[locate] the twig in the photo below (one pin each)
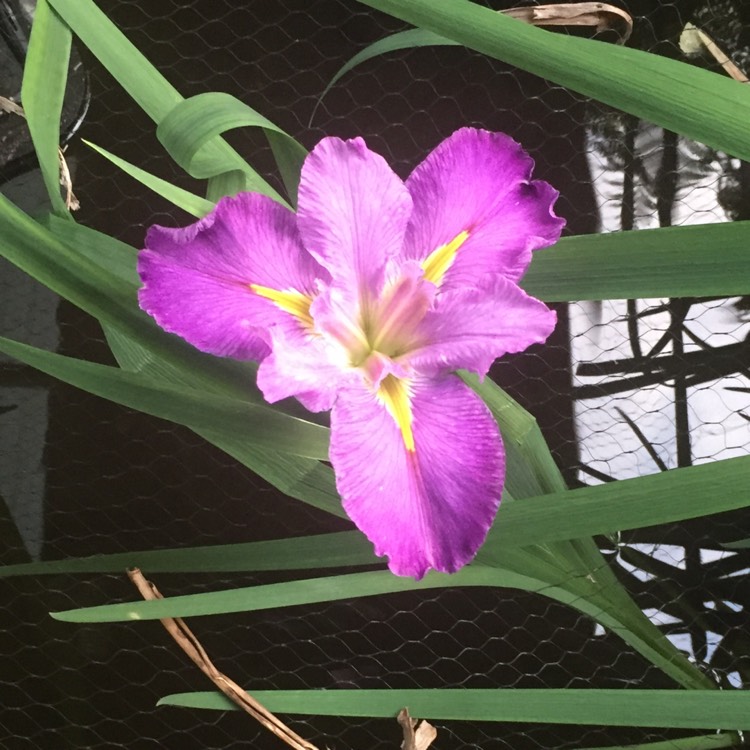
(185, 639)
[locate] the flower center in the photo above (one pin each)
(392, 320)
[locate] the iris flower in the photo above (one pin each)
(366, 302)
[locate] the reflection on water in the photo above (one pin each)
(661, 383)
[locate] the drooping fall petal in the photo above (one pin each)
(429, 507)
(212, 282)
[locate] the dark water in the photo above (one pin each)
(115, 480)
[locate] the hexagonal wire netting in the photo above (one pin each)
(621, 389)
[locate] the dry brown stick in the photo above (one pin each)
(601, 15)
(185, 639)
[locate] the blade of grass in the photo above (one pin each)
(188, 202)
(197, 121)
(673, 495)
(697, 261)
(150, 90)
(696, 103)
(584, 511)
(299, 553)
(42, 92)
(694, 709)
(253, 423)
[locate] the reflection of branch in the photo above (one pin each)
(697, 367)
(185, 639)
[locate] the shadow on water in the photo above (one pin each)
(110, 480)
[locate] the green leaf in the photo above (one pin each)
(530, 467)
(192, 204)
(289, 156)
(294, 593)
(701, 105)
(253, 423)
(301, 478)
(698, 261)
(591, 510)
(667, 497)
(299, 553)
(410, 39)
(150, 90)
(196, 121)
(687, 709)
(739, 544)
(42, 92)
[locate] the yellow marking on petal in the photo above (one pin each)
(393, 393)
(439, 261)
(291, 301)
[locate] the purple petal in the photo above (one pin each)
(427, 508)
(352, 212)
(471, 328)
(477, 182)
(310, 367)
(197, 279)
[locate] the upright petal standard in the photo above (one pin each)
(365, 302)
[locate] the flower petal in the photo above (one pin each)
(426, 508)
(198, 281)
(476, 211)
(352, 212)
(310, 367)
(471, 328)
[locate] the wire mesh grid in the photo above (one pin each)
(108, 479)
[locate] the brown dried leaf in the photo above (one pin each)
(417, 735)
(602, 16)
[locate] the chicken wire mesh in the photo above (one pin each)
(622, 388)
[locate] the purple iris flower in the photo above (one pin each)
(365, 302)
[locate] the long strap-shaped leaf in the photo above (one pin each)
(694, 709)
(698, 261)
(42, 92)
(707, 107)
(187, 201)
(151, 91)
(254, 423)
(673, 496)
(195, 122)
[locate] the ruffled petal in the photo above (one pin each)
(198, 281)
(471, 328)
(429, 507)
(352, 213)
(306, 365)
(476, 210)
